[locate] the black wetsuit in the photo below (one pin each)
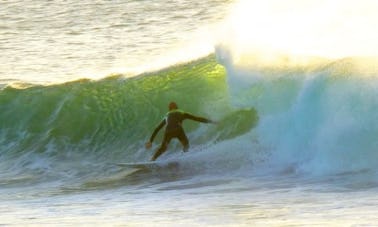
(173, 129)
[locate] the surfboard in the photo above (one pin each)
(149, 165)
(138, 164)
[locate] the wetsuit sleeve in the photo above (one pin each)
(157, 129)
(195, 118)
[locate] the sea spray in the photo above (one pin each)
(317, 118)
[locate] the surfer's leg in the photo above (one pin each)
(162, 148)
(183, 140)
(160, 151)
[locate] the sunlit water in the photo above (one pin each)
(56, 41)
(202, 201)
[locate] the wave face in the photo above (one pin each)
(313, 119)
(78, 128)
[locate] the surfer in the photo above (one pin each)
(173, 120)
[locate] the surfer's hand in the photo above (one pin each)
(214, 122)
(148, 145)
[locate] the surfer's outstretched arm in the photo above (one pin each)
(196, 118)
(157, 129)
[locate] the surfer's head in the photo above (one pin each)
(172, 106)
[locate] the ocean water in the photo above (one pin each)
(83, 85)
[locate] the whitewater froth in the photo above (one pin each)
(316, 118)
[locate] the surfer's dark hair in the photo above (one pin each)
(172, 106)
